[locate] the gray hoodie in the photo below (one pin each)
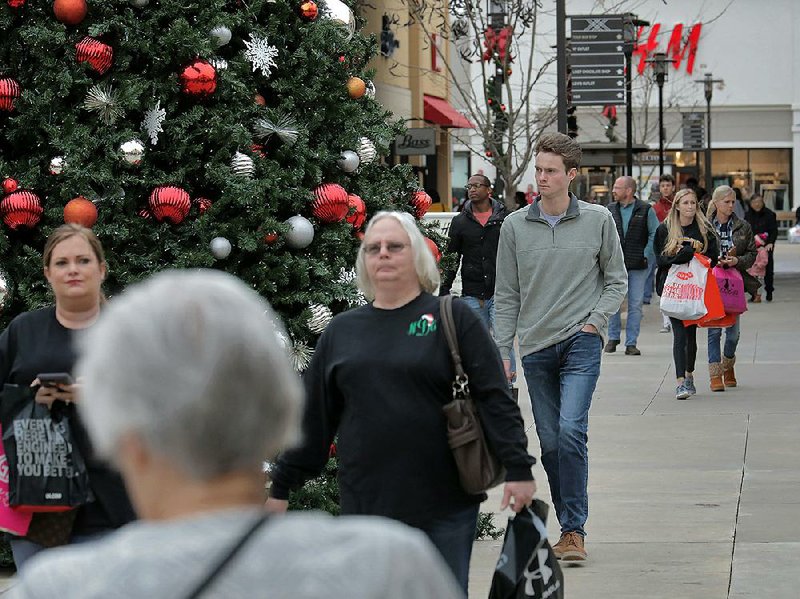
(551, 281)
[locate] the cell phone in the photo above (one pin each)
(52, 379)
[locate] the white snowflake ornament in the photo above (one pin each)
(261, 54)
(152, 122)
(320, 318)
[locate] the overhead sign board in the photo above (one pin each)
(694, 130)
(416, 141)
(597, 59)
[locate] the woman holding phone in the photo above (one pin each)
(40, 342)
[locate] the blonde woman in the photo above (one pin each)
(684, 232)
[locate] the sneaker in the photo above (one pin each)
(666, 329)
(570, 548)
(682, 391)
(611, 346)
(688, 383)
(632, 350)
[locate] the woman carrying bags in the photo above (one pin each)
(684, 231)
(737, 249)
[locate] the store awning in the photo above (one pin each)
(441, 112)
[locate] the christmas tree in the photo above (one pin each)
(236, 134)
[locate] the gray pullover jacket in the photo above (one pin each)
(551, 281)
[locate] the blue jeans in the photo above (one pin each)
(487, 312)
(650, 282)
(636, 282)
(731, 341)
(453, 535)
(561, 379)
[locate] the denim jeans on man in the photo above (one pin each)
(636, 283)
(486, 312)
(731, 341)
(453, 535)
(561, 379)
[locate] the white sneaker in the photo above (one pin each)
(666, 329)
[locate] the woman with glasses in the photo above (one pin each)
(379, 378)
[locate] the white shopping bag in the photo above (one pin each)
(684, 289)
(794, 234)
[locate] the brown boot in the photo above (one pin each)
(715, 372)
(728, 375)
(570, 548)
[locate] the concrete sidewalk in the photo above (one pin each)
(691, 499)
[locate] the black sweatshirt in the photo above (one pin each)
(685, 254)
(34, 343)
(379, 378)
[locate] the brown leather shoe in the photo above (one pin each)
(715, 373)
(570, 548)
(728, 375)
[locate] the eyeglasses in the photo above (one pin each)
(393, 247)
(469, 186)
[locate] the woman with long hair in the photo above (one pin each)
(684, 231)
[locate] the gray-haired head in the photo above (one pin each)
(191, 363)
(424, 263)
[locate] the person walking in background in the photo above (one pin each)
(474, 235)
(684, 232)
(636, 224)
(379, 378)
(737, 249)
(666, 187)
(763, 220)
(560, 277)
(530, 195)
(188, 389)
(42, 341)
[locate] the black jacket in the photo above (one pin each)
(634, 242)
(763, 221)
(476, 247)
(685, 254)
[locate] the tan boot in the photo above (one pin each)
(715, 372)
(727, 371)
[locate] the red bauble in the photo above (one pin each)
(16, 3)
(10, 185)
(169, 203)
(203, 204)
(309, 10)
(357, 211)
(270, 238)
(80, 211)
(421, 202)
(96, 53)
(260, 100)
(9, 91)
(70, 12)
(199, 78)
(437, 254)
(21, 209)
(330, 204)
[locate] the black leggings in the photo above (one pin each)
(684, 347)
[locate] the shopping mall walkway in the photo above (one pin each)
(698, 498)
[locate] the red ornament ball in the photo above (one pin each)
(21, 209)
(9, 92)
(437, 254)
(270, 238)
(331, 203)
(260, 100)
(199, 78)
(70, 12)
(203, 204)
(169, 203)
(16, 3)
(80, 211)
(421, 202)
(309, 10)
(357, 211)
(10, 185)
(98, 55)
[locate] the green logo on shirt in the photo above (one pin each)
(422, 327)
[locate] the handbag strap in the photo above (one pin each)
(460, 388)
(226, 558)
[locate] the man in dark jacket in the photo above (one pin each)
(636, 225)
(474, 235)
(763, 220)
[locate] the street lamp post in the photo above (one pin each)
(660, 64)
(708, 82)
(630, 23)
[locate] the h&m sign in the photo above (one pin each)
(416, 141)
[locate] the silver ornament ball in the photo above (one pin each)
(221, 248)
(301, 232)
(243, 165)
(222, 35)
(220, 64)
(132, 151)
(348, 161)
(57, 165)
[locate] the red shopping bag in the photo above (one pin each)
(713, 301)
